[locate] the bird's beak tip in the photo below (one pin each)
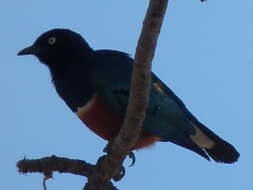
(31, 50)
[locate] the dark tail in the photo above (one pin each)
(222, 151)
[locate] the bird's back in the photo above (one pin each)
(167, 116)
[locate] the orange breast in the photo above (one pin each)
(105, 123)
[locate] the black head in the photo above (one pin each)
(58, 46)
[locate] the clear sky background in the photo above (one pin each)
(204, 54)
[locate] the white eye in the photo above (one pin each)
(51, 40)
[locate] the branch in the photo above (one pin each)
(48, 165)
(139, 97)
(141, 78)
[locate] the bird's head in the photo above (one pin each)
(58, 46)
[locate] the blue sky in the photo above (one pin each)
(204, 54)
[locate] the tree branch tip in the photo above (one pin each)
(45, 178)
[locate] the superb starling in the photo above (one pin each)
(95, 86)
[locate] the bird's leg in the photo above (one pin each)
(109, 144)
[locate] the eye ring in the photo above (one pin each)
(51, 40)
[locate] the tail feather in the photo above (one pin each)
(222, 151)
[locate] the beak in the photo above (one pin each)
(31, 50)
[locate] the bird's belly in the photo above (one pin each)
(101, 120)
(105, 123)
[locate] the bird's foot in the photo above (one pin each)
(121, 170)
(131, 155)
(119, 174)
(104, 163)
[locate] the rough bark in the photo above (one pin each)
(48, 165)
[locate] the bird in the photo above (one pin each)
(95, 85)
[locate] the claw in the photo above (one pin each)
(132, 157)
(120, 174)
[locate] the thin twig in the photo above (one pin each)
(44, 183)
